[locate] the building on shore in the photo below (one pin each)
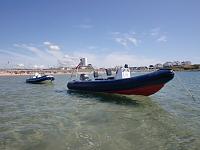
(168, 64)
(186, 63)
(83, 62)
(176, 63)
(151, 67)
(158, 66)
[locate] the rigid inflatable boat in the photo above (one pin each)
(122, 83)
(38, 78)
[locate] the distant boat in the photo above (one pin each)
(122, 83)
(38, 78)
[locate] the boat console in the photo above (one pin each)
(123, 72)
(84, 77)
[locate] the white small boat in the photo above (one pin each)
(38, 78)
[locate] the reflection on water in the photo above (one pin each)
(50, 117)
(105, 97)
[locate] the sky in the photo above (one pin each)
(48, 33)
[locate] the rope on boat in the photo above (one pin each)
(76, 68)
(186, 89)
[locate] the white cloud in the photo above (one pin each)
(47, 58)
(62, 58)
(15, 54)
(50, 55)
(31, 48)
(122, 41)
(162, 38)
(68, 61)
(51, 46)
(53, 50)
(133, 32)
(158, 35)
(133, 40)
(155, 31)
(125, 39)
(54, 47)
(116, 59)
(46, 43)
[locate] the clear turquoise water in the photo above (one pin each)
(48, 117)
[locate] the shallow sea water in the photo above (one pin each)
(49, 117)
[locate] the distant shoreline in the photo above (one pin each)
(24, 74)
(13, 73)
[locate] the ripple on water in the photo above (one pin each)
(50, 117)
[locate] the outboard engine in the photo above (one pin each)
(84, 77)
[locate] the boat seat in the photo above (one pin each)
(110, 78)
(96, 74)
(108, 72)
(84, 77)
(99, 79)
